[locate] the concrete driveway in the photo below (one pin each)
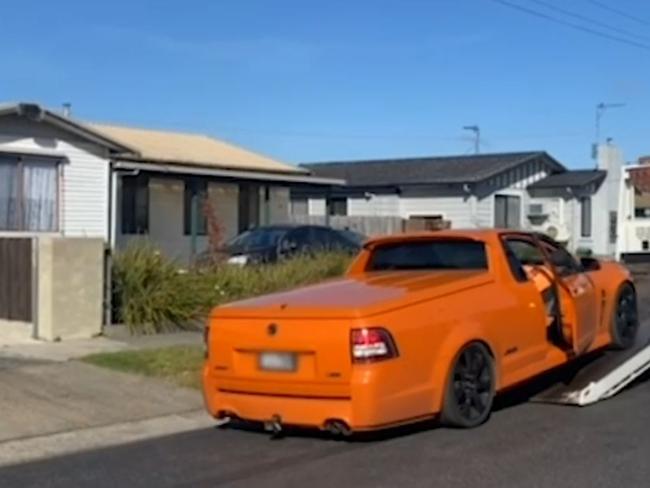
(43, 397)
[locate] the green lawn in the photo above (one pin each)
(178, 364)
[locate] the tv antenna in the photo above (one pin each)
(477, 136)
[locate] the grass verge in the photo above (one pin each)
(180, 365)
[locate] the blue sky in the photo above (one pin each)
(306, 80)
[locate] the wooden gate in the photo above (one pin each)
(16, 279)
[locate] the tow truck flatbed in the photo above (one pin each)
(600, 376)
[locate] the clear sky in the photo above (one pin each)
(307, 80)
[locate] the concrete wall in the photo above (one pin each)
(70, 287)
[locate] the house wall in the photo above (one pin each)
(477, 209)
(83, 175)
(514, 183)
(375, 205)
(279, 204)
(464, 209)
(453, 208)
(166, 226)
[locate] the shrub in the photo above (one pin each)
(155, 295)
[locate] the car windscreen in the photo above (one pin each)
(256, 239)
(429, 254)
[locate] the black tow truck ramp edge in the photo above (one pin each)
(600, 376)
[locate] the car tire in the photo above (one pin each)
(625, 318)
(470, 388)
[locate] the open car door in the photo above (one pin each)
(577, 295)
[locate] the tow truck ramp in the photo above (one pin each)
(602, 377)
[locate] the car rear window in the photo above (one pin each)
(433, 254)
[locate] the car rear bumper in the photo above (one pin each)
(368, 406)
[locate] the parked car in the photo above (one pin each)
(270, 243)
(423, 325)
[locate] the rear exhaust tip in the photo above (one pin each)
(224, 417)
(338, 427)
(274, 426)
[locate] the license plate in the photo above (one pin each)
(277, 361)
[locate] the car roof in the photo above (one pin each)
(472, 234)
(292, 226)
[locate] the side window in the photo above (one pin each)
(563, 261)
(300, 239)
(519, 253)
(526, 252)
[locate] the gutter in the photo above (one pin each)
(223, 173)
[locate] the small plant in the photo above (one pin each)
(214, 254)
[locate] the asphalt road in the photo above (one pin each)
(523, 444)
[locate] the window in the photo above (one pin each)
(507, 211)
(28, 194)
(135, 204)
(562, 260)
(255, 239)
(585, 216)
(337, 206)
(430, 254)
(249, 206)
(299, 206)
(526, 252)
(195, 189)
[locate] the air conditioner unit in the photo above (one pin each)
(558, 232)
(536, 210)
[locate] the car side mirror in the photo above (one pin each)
(590, 264)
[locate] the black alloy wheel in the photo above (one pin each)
(626, 318)
(470, 390)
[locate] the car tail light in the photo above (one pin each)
(372, 344)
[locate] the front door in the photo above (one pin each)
(578, 297)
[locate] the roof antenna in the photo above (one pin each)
(600, 111)
(477, 137)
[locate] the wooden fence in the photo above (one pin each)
(367, 226)
(16, 279)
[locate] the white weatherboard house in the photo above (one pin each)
(524, 190)
(64, 177)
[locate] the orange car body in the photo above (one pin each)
(429, 314)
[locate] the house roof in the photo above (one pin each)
(37, 113)
(428, 170)
(573, 178)
(158, 146)
(191, 149)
